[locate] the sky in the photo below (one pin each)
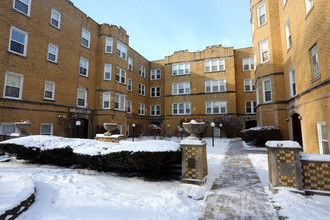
(157, 28)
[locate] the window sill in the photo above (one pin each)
(216, 71)
(250, 91)
(53, 62)
(107, 80)
(142, 95)
(155, 97)
(121, 83)
(83, 75)
(154, 79)
(307, 14)
(13, 98)
(181, 75)
(265, 62)
(108, 53)
(86, 47)
(27, 15)
(260, 26)
(287, 51)
(18, 54)
(121, 57)
(52, 100)
(58, 28)
(316, 78)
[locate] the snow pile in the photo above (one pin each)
(262, 128)
(316, 157)
(283, 144)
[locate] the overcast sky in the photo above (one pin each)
(157, 28)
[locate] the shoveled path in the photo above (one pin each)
(238, 193)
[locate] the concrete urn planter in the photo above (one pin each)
(22, 126)
(193, 128)
(109, 127)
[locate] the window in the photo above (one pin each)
(52, 53)
(249, 85)
(261, 14)
(288, 34)
(181, 88)
(55, 19)
(49, 90)
(142, 71)
(120, 75)
(248, 64)
(107, 71)
(309, 5)
(13, 86)
(18, 41)
(120, 128)
(183, 108)
(82, 97)
(315, 61)
(257, 93)
(155, 74)
(7, 128)
(255, 57)
(250, 107)
(121, 50)
(23, 6)
(214, 65)
(181, 69)
(292, 82)
(106, 100)
(130, 63)
(264, 56)
(85, 38)
(83, 69)
(216, 107)
(155, 110)
(266, 86)
(141, 109)
(155, 91)
(108, 45)
(129, 106)
(215, 85)
(120, 102)
(46, 129)
(323, 137)
(142, 89)
(129, 84)
(284, 2)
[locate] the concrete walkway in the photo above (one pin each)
(238, 193)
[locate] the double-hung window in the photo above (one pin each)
(120, 102)
(255, 57)
(120, 75)
(155, 91)
(107, 71)
(250, 107)
(7, 128)
(106, 100)
(183, 108)
(248, 64)
(23, 6)
(315, 61)
(18, 41)
(264, 53)
(292, 82)
(180, 69)
(52, 53)
(130, 63)
(121, 50)
(85, 38)
(108, 45)
(55, 19)
(155, 74)
(288, 35)
(142, 71)
(249, 85)
(83, 67)
(267, 90)
(155, 110)
(215, 65)
(181, 88)
(49, 90)
(13, 86)
(216, 107)
(261, 10)
(82, 98)
(142, 89)
(323, 137)
(129, 106)
(46, 129)
(309, 5)
(129, 84)
(141, 109)
(215, 85)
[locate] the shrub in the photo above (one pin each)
(154, 130)
(258, 136)
(230, 124)
(138, 130)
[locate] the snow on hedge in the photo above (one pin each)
(262, 128)
(92, 147)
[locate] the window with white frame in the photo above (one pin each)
(284, 2)
(264, 54)
(292, 82)
(55, 19)
(130, 63)
(7, 128)
(120, 75)
(18, 41)
(46, 129)
(181, 88)
(323, 137)
(252, 24)
(83, 67)
(141, 109)
(155, 74)
(142, 89)
(129, 106)
(248, 64)
(267, 90)
(85, 38)
(127, 130)
(215, 85)
(120, 128)
(108, 45)
(216, 107)
(52, 53)
(155, 110)
(309, 5)
(183, 108)
(180, 69)
(215, 65)
(13, 86)
(129, 84)
(106, 100)
(288, 34)
(315, 61)
(250, 107)
(82, 97)
(49, 90)
(155, 91)
(107, 71)
(255, 57)
(120, 102)
(23, 6)
(261, 11)
(142, 71)
(121, 50)
(257, 93)
(249, 85)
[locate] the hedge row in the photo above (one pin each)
(258, 136)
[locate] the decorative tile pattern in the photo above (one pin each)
(270, 167)
(285, 157)
(316, 175)
(191, 153)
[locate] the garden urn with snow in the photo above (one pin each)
(194, 129)
(22, 126)
(110, 127)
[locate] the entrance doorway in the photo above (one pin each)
(80, 128)
(296, 128)
(250, 124)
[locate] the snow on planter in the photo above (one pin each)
(283, 144)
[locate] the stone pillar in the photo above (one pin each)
(284, 164)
